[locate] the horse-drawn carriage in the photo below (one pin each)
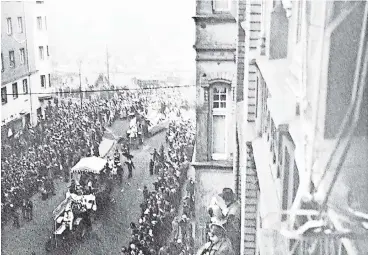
(88, 194)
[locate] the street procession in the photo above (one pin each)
(184, 127)
(77, 149)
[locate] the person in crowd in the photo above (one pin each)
(219, 244)
(151, 166)
(24, 209)
(120, 172)
(130, 166)
(233, 217)
(68, 217)
(159, 207)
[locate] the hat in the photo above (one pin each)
(227, 194)
(217, 230)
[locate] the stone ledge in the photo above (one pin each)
(216, 165)
(221, 17)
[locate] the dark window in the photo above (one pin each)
(22, 55)
(39, 23)
(25, 86)
(9, 26)
(4, 96)
(47, 50)
(15, 90)
(11, 58)
(40, 49)
(20, 25)
(49, 80)
(43, 81)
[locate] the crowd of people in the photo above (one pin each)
(157, 229)
(65, 132)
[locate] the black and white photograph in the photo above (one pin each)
(184, 127)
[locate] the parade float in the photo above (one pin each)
(89, 193)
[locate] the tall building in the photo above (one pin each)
(215, 46)
(300, 77)
(25, 62)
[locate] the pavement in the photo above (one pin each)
(109, 233)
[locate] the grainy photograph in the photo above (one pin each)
(184, 127)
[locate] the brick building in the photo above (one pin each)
(292, 85)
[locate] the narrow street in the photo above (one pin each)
(109, 233)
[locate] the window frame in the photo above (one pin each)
(4, 95)
(220, 112)
(15, 90)
(9, 26)
(20, 25)
(22, 55)
(43, 80)
(220, 101)
(25, 86)
(39, 22)
(41, 52)
(12, 63)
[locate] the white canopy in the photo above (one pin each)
(89, 164)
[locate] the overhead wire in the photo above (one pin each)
(70, 91)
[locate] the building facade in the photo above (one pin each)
(25, 59)
(304, 87)
(215, 46)
(298, 72)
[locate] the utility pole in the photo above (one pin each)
(107, 65)
(80, 84)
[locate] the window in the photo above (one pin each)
(49, 80)
(20, 25)
(45, 23)
(11, 58)
(22, 55)
(43, 81)
(25, 86)
(4, 96)
(47, 51)
(221, 5)
(39, 2)
(15, 90)
(299, 23)
(40, 49)
(2, 62)
(9, 26)
(219, 98)
(39, 23)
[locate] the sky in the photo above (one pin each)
(143, 37)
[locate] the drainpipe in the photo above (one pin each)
(28, 68)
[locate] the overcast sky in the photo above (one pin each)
(143, 36)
